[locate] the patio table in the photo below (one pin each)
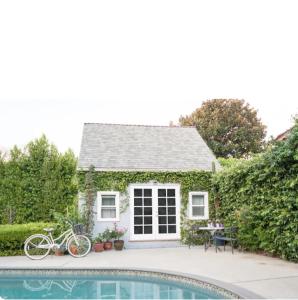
(212, 231)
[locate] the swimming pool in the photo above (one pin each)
(104, 284)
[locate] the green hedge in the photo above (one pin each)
(261, 197)
(12, 237)
(34, 181)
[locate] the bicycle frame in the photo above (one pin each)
(66, 285)
(66, 234)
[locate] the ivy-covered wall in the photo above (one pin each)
(189, 181)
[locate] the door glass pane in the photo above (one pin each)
(198, 211)
(147, 220)
(162, 211)
(171, 202)
(138, 192)
(171, 210)
(172, 228)
(162, 201)
(138, 220)
(162, 220)
(147, 201)
(197, 200)
(162, 229)
(147, 193)
(172, 220)
(147, 211)
(108, 200)
(108, 213)
(147, 229)
(138, 211)
(162, 192)
(171, 193)
(138, 201)
(138, 229)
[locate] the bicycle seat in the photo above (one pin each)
(48, 229)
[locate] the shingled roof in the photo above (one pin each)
(115, 147)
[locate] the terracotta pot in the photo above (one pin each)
(73, 249)
(108, 245)
(118, 244)
(59, 252)
(98, 247)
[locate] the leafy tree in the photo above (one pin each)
(230, 162)
(35, 181)
(230, 127)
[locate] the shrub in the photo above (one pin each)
(34, 181)
(260, 196)
(12, 237)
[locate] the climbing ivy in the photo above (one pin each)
(90, 196)
(260, 196)
(189, 181)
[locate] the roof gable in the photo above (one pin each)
(144, 148)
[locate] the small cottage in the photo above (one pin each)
(150, 179)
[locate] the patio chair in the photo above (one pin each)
(196, 234)
(229, 235)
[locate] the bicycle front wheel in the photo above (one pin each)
(78, 246)
(37, 246)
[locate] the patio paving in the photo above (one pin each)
(264, 276)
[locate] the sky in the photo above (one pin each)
(63, 63)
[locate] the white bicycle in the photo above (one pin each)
(38, 246)
(40, 285)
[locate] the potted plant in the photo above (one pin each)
(117, 234)
(73, 249)
(98, 243)
(60, 251)
(107, 237)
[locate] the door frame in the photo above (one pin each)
(154, 236)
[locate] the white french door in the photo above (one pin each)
(154, 212)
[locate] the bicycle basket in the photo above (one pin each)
(78, 229)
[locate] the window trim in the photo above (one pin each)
(99, 206)
(206, 206)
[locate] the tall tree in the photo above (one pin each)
(35, 181)
(230, 127)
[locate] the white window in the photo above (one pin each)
(198, 206)
(108, 206)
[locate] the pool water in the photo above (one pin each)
(99, 287)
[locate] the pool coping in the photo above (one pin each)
(222, 287)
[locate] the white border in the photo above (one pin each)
(206, 206)
(99, 206)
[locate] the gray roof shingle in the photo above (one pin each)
(111, 147)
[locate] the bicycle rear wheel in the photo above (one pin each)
(37, 246)
(78, 246)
